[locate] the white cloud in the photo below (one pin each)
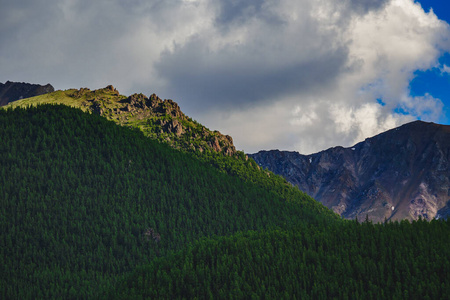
(385, 47)
(393, 43)
(298, 75)
(379, 52)
(445, 69)
(425, 107)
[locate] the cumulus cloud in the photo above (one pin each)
(364, 92)
(297, 75)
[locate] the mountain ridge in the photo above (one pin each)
(12, 91)
(163, 121)
(159, 119)
(402, 173)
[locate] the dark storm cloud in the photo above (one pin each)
(277, 56)
(235, 78)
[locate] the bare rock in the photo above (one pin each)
(214, 143)
(138, 101)
(154, 101)
(173, 126)
(403, 173)
(12, 91)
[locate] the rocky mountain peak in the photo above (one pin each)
(403, 173)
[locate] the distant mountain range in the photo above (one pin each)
(12, 91)
(403, 173)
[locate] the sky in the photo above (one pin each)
(294, 75)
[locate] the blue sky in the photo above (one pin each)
(296, 75)
(435, 81)
(440, 8)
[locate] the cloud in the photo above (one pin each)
(298, 75)
(238, 76)
(445, 69)
(73, 43)
(355, 58)
(422, 107)
(257, 51)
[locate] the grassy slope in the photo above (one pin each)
(57, 97)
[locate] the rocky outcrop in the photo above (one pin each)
(12, 91)
(168, 120)
(158, 119)
(403, 173)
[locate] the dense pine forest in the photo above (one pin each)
(345, 261)
(84, 201)
(90, 209)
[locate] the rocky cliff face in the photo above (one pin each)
(12, 91)
(403, 173)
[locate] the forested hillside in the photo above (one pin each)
(82, 201)
(160, 120)
(344, 261)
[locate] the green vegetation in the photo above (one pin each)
(163, 121)
(89, 209)
(158, 119)
(58, 97)
(83, 201)
(345, 261)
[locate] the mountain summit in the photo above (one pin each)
(12, 91)
(402, 173)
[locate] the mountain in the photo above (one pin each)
(403, 173)
(12, 91)
(158, 119)
(84, 201)
(93, 210)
